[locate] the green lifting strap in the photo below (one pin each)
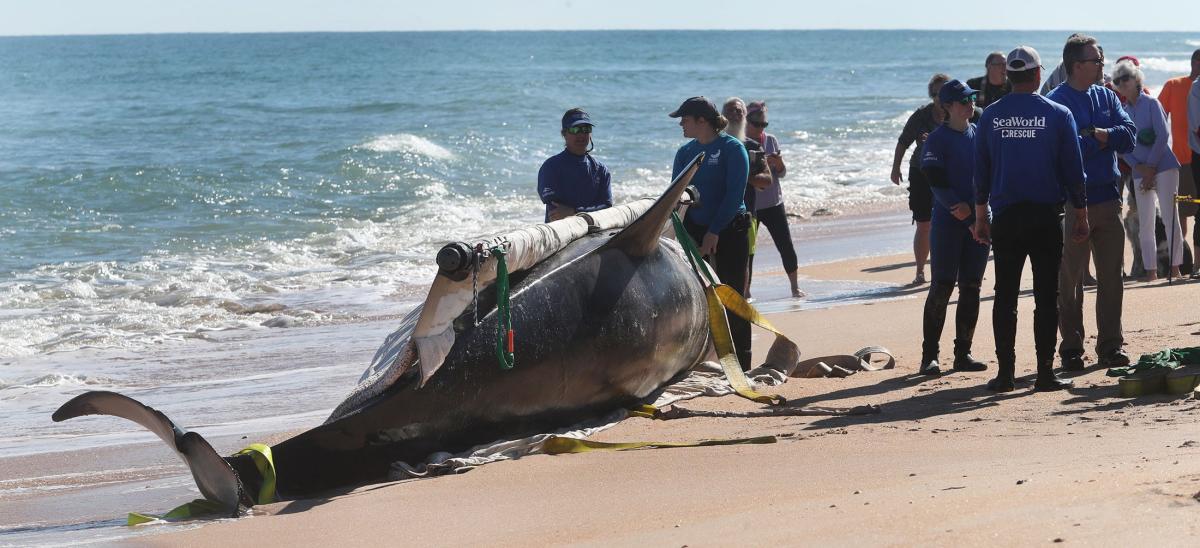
(504, 331)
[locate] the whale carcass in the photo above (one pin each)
(600, 325)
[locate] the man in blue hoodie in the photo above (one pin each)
(1104, 131)
(1027, 161)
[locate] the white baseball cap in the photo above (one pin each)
(1022, 59)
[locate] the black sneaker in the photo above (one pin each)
(1073, 362)
(1117, 358)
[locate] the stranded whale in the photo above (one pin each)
(599, 325)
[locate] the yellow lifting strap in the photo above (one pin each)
(719, 298)
(558, 445)
(196, 509)
(261, 455)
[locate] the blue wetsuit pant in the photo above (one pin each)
(955, 257)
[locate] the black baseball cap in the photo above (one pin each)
(576, 117)
(697, 106)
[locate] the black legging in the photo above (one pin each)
(1034, 232)
(775, 219)
(733, 250)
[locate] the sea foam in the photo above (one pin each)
(408, 143)
(1181, 66)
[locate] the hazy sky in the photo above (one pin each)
(24, 17)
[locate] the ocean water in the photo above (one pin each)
(182, 216)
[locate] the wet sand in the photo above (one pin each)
(944, 463)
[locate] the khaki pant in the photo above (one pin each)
(1107, 242)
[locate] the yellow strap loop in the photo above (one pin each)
(719, 326)
(558, 445)
(261, 455)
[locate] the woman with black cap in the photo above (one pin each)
(720, 221)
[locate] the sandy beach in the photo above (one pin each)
(944, 463)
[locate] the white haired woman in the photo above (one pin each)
(1155, 169)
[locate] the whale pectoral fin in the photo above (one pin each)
(215, 478)
(640, 238)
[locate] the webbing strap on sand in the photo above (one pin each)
(558, 445)
(196, 509)
(718, 324)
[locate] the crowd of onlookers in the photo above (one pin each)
(1008, 164)
(1042, 174)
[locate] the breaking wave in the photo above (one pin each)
(1181, 66)
(408, 143)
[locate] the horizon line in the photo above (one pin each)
(813, 29)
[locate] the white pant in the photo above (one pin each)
(1166, 184)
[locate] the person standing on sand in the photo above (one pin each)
(1104, 131)
(720, 221)
(949, 163)
(1193, 132)
(1027, 158)
(1174, 99)
(920, 200)
(734, 110)
(572, 180)
(1155, 169)
(768, 202)
(994, 84)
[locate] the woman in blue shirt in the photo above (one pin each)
(948, 161)
(720, 221)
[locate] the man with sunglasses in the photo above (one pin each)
(1105, 130)
(573, 181)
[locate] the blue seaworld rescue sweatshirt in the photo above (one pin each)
(1099, 108)
(721, 180)
(1027, 150)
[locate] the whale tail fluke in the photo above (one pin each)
(214, 476)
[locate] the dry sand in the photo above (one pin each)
(945, 463)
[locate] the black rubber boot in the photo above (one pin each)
(964, 327)
(1004, 376)
(931, 325)
(963, 360)
(1047, 380)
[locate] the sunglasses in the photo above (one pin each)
(576, 130)
(758, 124)
(968, 99)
